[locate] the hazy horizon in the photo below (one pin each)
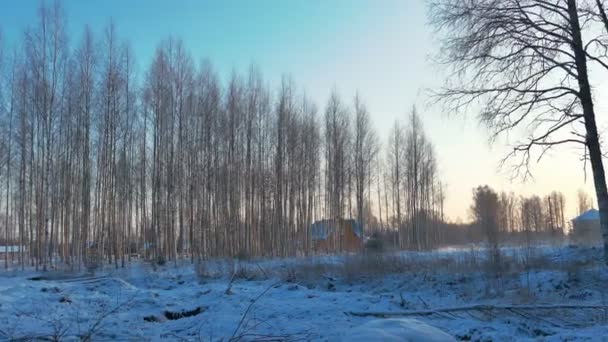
(381, 52)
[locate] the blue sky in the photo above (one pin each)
(379, 48)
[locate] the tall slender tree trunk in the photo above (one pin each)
(591, 140)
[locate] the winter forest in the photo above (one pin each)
(101, 163)
(136, 175)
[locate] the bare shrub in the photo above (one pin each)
(290, 275)
(374, 245)
(358, 266)
(539, 262)
(495, 263)
(160, 260)
(243, 272)
(201, 270)
(471, 259)
(306, 272)
(495, 269)
(525, 294)
(103, 313)
(242, 255)
(93, 261)
(217, 269)
(373, 264)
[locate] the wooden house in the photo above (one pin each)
(328, 236)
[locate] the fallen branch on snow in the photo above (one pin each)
(276, 338)
(477, 307)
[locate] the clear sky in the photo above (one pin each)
(379, 48)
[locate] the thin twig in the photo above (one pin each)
(238, 327)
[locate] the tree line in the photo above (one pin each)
(506, 218)
(508, 213)
(99, 162)
(503, 218)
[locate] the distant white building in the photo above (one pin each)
(586, 226)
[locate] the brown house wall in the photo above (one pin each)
(347, 242)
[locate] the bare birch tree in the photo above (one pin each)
(396, 165)
(583, 201)
(365, 149)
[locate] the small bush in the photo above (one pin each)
(242, 272)
(525, 294)
(306, 273)
(374, 245)
(227, 268)
(92, 261)
(242, 255)
(373, 264)
(200, 268)
(495, 263)
(160, 260)
(290, 275)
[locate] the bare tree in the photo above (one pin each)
(485, 213)
(526, 63)
(365, 149)
(337, 138)
(6, 137)
(46, 53)
(507, 212)
(583, 201)
(554, 204)
(86, 59)
(396, 161)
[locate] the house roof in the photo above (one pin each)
(589, 215)
(320, 230)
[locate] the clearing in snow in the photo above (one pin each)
(399, 296)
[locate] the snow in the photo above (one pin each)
(396, 330)
(314, 302)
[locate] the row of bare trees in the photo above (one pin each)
(99, 163)
(533, 213)
(584, 202)
(505, 216)
(416, 193)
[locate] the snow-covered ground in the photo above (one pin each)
(321, 298)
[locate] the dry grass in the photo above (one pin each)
(93, 261)
(234, 269)
(365, 265)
